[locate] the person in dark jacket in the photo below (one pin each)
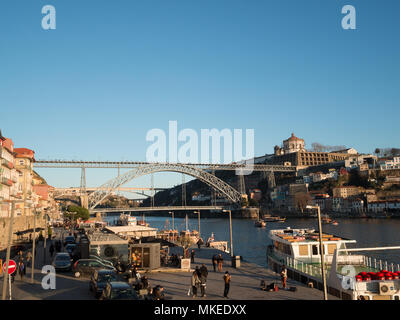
(21, 269)
(227, 283)
(214, 262)
(51, 250)
(192, 254)
(203, 279)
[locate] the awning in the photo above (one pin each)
(19, 233)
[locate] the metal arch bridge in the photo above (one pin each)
(168, 208)
(135, 164)
(110, 186)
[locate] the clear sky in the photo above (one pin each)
(112, 70)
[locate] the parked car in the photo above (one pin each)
(88, 266)
(106, 262)
(117, 290)
(62, 262)
(69, 240)
(99, 280)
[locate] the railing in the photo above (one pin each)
(308, 268)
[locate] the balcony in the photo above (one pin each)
(7, 164)
(6, 181)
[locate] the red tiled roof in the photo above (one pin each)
(25, 153)
(294, 138)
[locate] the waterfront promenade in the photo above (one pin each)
(244, 285)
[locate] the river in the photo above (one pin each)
(251, 242)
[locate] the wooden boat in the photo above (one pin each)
(269, 218)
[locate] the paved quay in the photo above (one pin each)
(244, 285)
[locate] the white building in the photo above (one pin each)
(390, 164)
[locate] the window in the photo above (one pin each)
(314, 249)
(94, 264)
(21, 162)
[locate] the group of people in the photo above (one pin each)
(21, 265)
(199, 279)
(217, 260)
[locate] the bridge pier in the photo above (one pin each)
(84, 201)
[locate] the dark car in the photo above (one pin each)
(62, 262)
(69, 240)
(99, 280)
(117, 290)
(88, 266)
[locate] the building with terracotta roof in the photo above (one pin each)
(9, 184)
(24, 159)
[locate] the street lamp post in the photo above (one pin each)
(34, 244)
(230, 229)
(5, 277)
(198, 213)
(321, 249)
(173, 224)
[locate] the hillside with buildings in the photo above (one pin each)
(340, 180)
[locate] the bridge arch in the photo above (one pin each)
(228, 191)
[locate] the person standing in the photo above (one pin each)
(220, 261)
(192, 254)
(227, 282)
(284, 276)
(214, 262)
(51, 250)
(195, 281)
(28, 258)
(21, 269)
(203, 279)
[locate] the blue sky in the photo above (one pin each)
(112, 70)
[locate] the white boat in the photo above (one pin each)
(350, 274)
(219, 245)
(126, 220)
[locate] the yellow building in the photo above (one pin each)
(346, 191)
(24, 163)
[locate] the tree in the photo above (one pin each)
(80, 212)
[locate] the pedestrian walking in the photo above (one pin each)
(284, 276)
(192, 254)
(227, 282)
(21, 269)
(28, 258)
(51, 250)
(200, 242)
(20, 255)
(194, 283)
(220, 262)
(203, 279)
(214, 262)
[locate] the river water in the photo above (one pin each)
(251, 242)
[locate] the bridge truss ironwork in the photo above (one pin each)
(110, 186)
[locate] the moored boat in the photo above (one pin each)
(350, 275)
(269, 218)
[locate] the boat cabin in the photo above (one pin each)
(303, 245)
